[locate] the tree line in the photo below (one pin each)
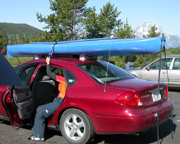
(12, 39)
(13, 34)
(74, 20)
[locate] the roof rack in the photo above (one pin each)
(80, 57)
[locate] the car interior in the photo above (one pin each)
(42, 91)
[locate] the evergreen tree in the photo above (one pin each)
(145, 59)
(33, 38)
(103, 24)
(122, 33)
(152, 32)
(65, 23)
(108, 19)
(130, 58)
(92, 26)
(125, 32)
(3, 39)
(119, 61)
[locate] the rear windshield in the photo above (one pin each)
(102, 72)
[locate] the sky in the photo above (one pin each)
(164, 13)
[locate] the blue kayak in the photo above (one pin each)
(90, 47)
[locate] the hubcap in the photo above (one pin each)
(74, 127)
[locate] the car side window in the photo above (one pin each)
(98, 71)
(176, 63)
(25, 76)
(57, 71)
(71, 78)
(18, 68)
(165, 64)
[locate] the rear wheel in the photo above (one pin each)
(76, 127)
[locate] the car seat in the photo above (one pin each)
(43, 92)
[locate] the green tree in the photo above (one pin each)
(122, 33)
(109, 21)
(66, 21)
(152, 32)
(125, 32)
(33, 38)
(145, 59)
(103, 24)
(130, 58)
(3, 39)
(91, 23)
(173, 51)
(119, 61)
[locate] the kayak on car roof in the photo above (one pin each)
(90, 47)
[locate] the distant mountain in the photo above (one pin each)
(171, 40)
(21, 29)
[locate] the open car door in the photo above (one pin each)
(18, 100)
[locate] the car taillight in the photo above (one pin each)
(129, 98)
(165, 96)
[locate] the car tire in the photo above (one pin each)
(76, 127)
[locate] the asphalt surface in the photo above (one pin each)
(169, 132)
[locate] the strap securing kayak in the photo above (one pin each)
(52, 50)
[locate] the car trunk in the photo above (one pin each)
(150, 92)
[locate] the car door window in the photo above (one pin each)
(25, 76)
(70, 77)
(176, 63)
(165, 64)
(18, 68)
(56, 71)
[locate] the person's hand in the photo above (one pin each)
(48, 60)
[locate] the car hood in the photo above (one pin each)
(133, 83)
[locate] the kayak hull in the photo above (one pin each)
(90, 47)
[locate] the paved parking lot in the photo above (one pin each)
(169, 132)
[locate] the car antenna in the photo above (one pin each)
(112, 37)
(52, 50)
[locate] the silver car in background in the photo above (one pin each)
(170, 73)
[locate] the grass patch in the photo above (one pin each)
(14, 61)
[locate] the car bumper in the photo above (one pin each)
(131, 120)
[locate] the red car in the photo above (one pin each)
(101, 98)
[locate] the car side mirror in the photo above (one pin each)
(148, 68)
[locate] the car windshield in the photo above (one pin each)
(102, 71)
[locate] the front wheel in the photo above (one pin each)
(76, 127)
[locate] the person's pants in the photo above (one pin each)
(43, 112)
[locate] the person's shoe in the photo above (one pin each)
(36, 138)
